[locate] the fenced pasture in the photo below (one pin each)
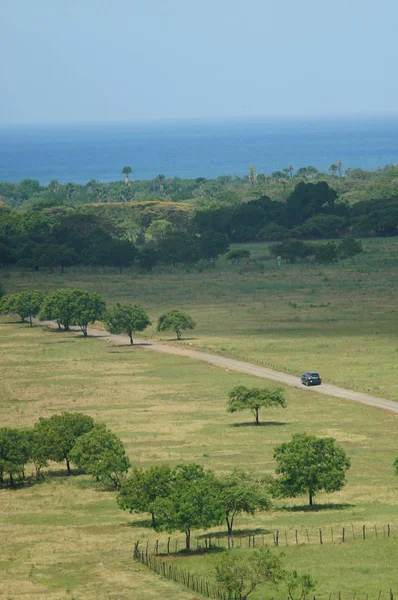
(65, 537)
(338, 319)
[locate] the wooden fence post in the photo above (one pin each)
(331, 529)
(388, 530)
(168, 546)
(308, 537)
(296, 537)
(320, 536)
(364, 532)
(343, 540)
(375, 530)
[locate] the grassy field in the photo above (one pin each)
(340, 320)
(66, 537)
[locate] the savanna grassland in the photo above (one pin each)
(341, 320)
(66, 537)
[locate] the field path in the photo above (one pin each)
(231, 364)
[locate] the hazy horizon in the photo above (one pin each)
(96, 62)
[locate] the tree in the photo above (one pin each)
(193, 502)
(126, 318)
(243, 398)
(59, 307)
(88, 307)
(349, 247)
(326, 254)
(309, 464)
(8, 304)
(140, 490)
(73, 307)
(237, 255)
(240, 575)
(175, 320)
(28, 304)
(292, 250)
(212, 245)
(101, 453)
(299, 586)
(127, 172)
(240, 493)
(40, 449)
(14, 452)
(60, 433)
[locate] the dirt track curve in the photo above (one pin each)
(245, 367)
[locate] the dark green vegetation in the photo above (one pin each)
(67, 533)
(309, 464)
(175, 320)
(61, 226)
(126, 318)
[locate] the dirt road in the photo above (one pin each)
(251, 369)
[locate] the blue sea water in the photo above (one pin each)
(190, 149)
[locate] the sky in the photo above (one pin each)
(65, 61)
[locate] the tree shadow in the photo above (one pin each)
(236, 533)
(262, 424)
(318, 507)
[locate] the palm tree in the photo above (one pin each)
(126, 172)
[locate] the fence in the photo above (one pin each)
(282, 537)
(210, 590)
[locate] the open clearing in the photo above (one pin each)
(67, 538)
(340, 320)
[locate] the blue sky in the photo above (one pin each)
(119, 60)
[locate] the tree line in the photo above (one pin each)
(49, 236)
(79, 308)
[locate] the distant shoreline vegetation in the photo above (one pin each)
(176, 222)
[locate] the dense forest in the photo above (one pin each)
(173, 221)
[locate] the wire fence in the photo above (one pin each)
(207, 589)
(276, 537)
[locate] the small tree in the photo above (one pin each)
(309, 464)
(14, 452)
(299, 586)
(60, 433)
(243, 398)
(326, 254)
(175, 320)
(28, 304)
(237, 255)
(240, 575)
(88, 307)
(59, 307)
(349, 247)
(241, 493)
(8, 304)
(40, 449)
(126, 318)
(193, 502)
(140, 490)
(101, 453)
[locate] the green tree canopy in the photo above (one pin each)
(244, 398)
(126, 318)
(326, 254)
(73, 307)
(59, 307)
(88, 307)
(14, 452)
(309, 464)
(127, 172)
(241, 493)
(349, 247)
(101, 453)
(240, 575)
(28, 304)
(140, 490)
(175, 320)
(8, 304)
(193, 502)
(60, 433)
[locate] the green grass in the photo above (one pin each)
(66, 537)
(340, 320)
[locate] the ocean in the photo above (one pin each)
(190, 149)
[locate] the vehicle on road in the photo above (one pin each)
(311, 378)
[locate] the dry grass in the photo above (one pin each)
(66, 537)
